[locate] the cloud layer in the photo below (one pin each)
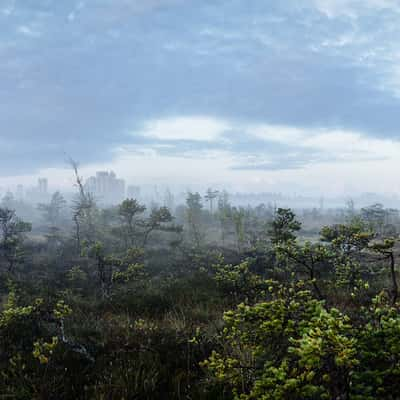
(258, 146)
(262, 87)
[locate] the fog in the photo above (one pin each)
(199, 199)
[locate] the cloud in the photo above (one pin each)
(259, 146)
(277, 133)
(256, 157)
(192, 128)
(323, 145)
(28, 31)
(353, 8)
(272, 87)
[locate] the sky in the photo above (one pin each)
(279, 95)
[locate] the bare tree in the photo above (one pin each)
(82, 210)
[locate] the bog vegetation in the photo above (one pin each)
(206, 301)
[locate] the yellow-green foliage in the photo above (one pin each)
(12, 312)
(62, 310)
(238, 280)
(133, 272)
(43, 350)
(291, 346)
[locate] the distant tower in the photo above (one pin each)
(90, 185)
(43, 185)
(102, 183)
(106, 187)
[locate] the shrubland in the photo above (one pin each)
(217, 302)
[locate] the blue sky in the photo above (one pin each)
(250, 94)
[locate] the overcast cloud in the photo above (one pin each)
(253, 93)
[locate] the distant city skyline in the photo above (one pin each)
(108, 189)
(293, 96)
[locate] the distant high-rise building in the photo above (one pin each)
(90, 185)
(106, 187)
(103, 183)
(42, 185)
